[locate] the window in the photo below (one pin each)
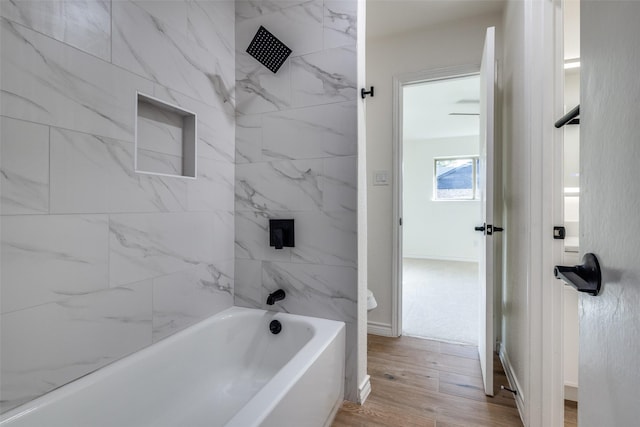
(456, 178)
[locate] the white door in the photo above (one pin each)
(485, 184)
(609, 367)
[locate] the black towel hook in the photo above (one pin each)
(364, 93)
(570, 118)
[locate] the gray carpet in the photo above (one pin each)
(440, 300)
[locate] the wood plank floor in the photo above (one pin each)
(570, 414)
(417, 382)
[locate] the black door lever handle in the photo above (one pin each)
(498, 229)
(480, 228)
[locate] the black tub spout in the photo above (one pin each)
(276, 296)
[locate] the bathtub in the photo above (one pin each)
(228, 370)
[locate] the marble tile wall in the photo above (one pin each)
(98, 261)
(296, 151)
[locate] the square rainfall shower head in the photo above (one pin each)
(268, 50)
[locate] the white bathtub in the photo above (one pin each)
(228, 370)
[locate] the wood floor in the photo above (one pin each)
(570, 414)
(417, 382)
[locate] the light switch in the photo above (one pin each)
(381, 178)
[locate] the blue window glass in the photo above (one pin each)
(456, 178)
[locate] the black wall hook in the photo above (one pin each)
(364, 93)
(585, 278)
(571, 118)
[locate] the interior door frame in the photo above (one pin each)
(399, 81)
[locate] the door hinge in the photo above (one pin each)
(400, 221)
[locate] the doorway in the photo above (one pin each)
(440, 207)
(571, 198)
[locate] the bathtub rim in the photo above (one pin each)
(284, 378)
(91, 378)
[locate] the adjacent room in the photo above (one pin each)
(440, 209)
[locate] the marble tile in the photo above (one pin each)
(48, 82)
(84, 24)
(186, 297)
(320, 238)
(258, 90)
(48, 258)
(216, 123)
(312, 290)
(287, 24)
(328, 239)
(279, 186)
(303, 133)
(247, 290)
(340, 23)
(340, 184)
(148, 47)
(246, 9)
(212, 190)
(324, 77)
(158, 163)
(222, 243)
(252, 237)
(172, 12)
(91, 174)
(211, 24)
(144, 246)
(24, 167)
(159, 130)
(50, 345)
(249, 138)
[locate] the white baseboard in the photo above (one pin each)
(513, 381)
(571, 392)
(377, 328)
(364, 390)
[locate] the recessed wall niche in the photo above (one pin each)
(165, 138)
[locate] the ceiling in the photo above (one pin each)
(388, 17)
(426, 108)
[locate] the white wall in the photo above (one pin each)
(571, 214)
(516, 183)
(609, 206)
(364, 386)
(411, 52)
(571, 132)
(437, 229)
(97, 260)
(532, 310)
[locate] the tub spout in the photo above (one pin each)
(276, 296)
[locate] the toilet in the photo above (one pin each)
(371, 301)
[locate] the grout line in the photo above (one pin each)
(49, 183)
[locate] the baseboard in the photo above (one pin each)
(377, 328)
(513, 381)
(440, 258)
(571, 392)
(364, 390)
